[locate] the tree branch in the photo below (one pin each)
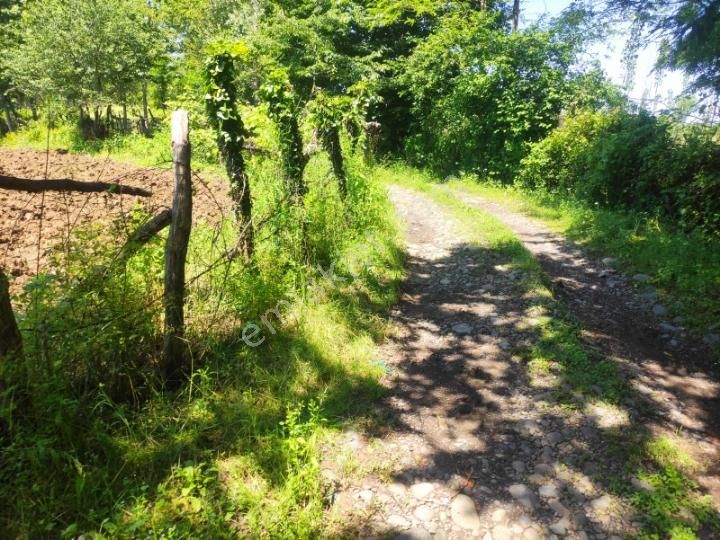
(37, 186)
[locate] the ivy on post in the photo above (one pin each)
(221, 104)
(327, 115)
(176, 251)
(283, 108)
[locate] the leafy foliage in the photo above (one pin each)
(222, 107)
(480, 95)
(101, 50)
(639, 161)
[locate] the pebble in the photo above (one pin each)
(609, 261)
(548, 491)
(366, 495)
(554, 437)
(501, 532)
(601, 504)
(711, 339)
(422, 490)
(445, 281)
(649, 296)
(398, 522)
(519, 466)
(423, 512)
(641, 278)
(641, 484)
(397, 489)
(560, 527)
(523, 494)
(463, 512)
(579, 520)
(558, 508)
(665, 327)
(530, 426)
(659, 310)
(462, 328)
(544, 469)
(499, 515)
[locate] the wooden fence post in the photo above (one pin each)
(10, 344)
(176, 251)
(10, 340)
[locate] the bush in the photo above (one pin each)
(631, 160)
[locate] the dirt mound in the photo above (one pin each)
(32, 225)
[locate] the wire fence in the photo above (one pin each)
(78, 242)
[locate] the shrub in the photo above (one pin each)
(631, 160)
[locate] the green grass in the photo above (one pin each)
(685, 267)
(675, 508)
(152, 149)
(100, 449)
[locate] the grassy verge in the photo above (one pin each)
(99, 450)
(684, 267)
(673, 507)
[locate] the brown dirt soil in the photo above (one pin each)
(32, 225)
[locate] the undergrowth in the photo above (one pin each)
(99, 449)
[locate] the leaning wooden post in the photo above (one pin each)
(10, 340)
(176, 251)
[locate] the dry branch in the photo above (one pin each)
(65, 184)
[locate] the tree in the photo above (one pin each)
(9, 12)
(87, 53)
(689, 32)
(480, 95)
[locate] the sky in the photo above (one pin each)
(609, 53)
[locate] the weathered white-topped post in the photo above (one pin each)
(175, 347)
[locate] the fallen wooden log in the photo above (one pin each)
(65, 184)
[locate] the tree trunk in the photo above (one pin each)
(293, 155)
(10, 118)
(126, 126)
(109, 118)
(373, 130)
(145, 105)
(515, 15)
(174, 350)
(96, 123)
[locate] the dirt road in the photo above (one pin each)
(476, 445)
